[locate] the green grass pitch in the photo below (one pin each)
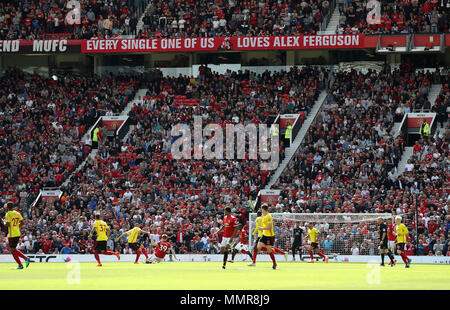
(209, 275)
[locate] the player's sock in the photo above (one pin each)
(277, 250)
(321, 255)
(138, 254)
(109, 252)
(255, 252)
(97, 257)
(273, 258)
(16, 257)
(233, 254)
(391, 257)
(225, 257)
(311, 254)
(20, 254)
(382, 258)
(405, 259)
(145, 253)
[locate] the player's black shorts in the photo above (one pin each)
(400, 246)
(257, 240)
(384, 244)
(268, 240)
(13, 242)
(297, 244)
(314, 245)
(135, 246)
(100, 246)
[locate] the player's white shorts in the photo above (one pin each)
(241, 246)
(153, 259)
(391, 245)
(225, 242)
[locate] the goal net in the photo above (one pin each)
(340, 233)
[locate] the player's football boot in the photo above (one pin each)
(117, 255)
(19, 267)
(27, 262)
(230, 261)
(286, 256)
(382, 265)
(223, 266)
(252, 264)
(391, 262)
(311, 261)
(99, 265)
(409, 263)
(136, 262)
(326, 259)
(274, 266)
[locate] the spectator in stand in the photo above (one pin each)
(33, 20)
(66, 250)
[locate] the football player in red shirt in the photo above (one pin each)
(242, 246)
(391, 237)
(229, 228)
(162, 248)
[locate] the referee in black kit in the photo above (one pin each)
(297, 243)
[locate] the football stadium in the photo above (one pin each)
(224, 145)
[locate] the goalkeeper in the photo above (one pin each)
(297, 240)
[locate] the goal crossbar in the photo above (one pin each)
(285, 222)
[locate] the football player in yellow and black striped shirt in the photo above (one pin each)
(314, 247)
(258, 232)
(267, 239)
(401, 231)
(13, 222)
(103, 233)
(258, 222)
(132, 241)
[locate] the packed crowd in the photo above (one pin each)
(131, 179)
(37, 19)
(346, 164)
(74, 19)
(42, 123)
(417, 16)
(235, 18)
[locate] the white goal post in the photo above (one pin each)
(340, 233)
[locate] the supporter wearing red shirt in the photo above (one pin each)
(67, 242)
(432, 226)
(409, 249)
(417, 148)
